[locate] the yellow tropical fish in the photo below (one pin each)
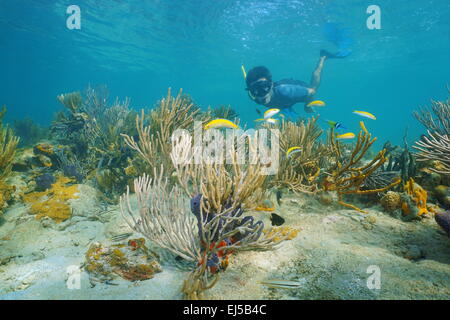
(270, 113)
(268, 120)
(348, 135)
(220, 123)
(293, 150)
(316, 103)
(365, 114)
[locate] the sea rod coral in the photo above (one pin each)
(435, 147)
(348, 173)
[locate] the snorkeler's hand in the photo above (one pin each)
(311, 91)
(308, 109)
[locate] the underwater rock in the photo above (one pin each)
(73, 171)
(443, 220)
(266, 206)
(391, 201)
(442, 194)
(45, 149)
(325, 198)
(413, 253)
(45, 181)
(23, 161)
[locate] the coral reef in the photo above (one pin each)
(219, 194)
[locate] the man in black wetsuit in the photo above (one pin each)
(285, 93)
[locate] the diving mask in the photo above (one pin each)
(260, 88)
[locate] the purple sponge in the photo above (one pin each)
(443, 219)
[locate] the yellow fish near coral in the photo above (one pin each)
(316, 103)
(293, 150)
(365, 114)
(220, 123)
(270, 113)
(345, 136)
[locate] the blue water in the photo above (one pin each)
(140, 48)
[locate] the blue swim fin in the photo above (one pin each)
(342, 53)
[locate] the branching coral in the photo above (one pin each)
(435, 147)
(154, 142)
(8, 145)
(299, 171)
(91, 128)
(348, 175)
(223, 112)
(436, 120)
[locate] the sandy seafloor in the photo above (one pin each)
(329, 257)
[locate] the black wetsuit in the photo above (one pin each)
(288, 92)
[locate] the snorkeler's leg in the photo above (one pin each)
(315, 78)
(315, 82)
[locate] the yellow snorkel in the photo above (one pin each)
(243, 71)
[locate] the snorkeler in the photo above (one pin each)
(285, 93)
